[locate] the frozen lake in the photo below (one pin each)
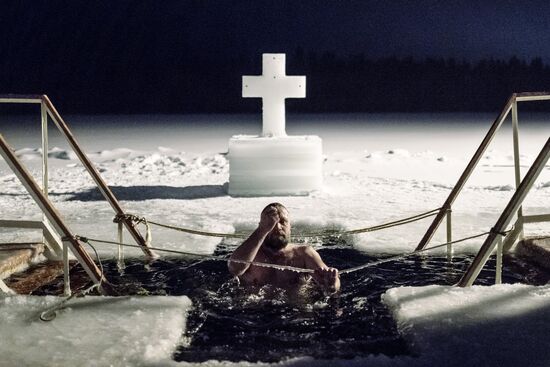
(457, 133)
(377, 168)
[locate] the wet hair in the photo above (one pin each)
(279, 206)
(276, 242)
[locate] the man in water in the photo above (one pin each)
(269, 243)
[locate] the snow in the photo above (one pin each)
(91, 331)
(376, 168)
(374, 172)
(269, 166)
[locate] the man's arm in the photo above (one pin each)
(327, 278)
(248, 250)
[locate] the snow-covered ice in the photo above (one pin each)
(376, 168)
(91, 331)
(500, 325)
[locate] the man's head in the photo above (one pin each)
(279, 236)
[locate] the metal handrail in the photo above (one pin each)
(505, 218)
(48, 109)
(104, 189)
(51, 220)
(20, 98)
(511, 104)
(49, 210)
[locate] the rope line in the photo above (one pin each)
(325, 233)
(51, 313)
(287, 267)
(397, 257)
(205, 257)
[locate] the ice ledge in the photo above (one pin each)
(91, 331)
(500, 325)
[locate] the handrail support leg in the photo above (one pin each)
(449, 235)
(66, 270)
(498, 268)
(517, 171)
(120, 258)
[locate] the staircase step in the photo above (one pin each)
(16, 257)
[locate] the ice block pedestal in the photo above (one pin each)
(265, 166)
(274, 163)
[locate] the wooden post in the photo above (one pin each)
(49, 210)
(103, 188)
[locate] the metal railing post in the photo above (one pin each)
(66, 271)
(120, 258)
(449, 235)
(44, 124)
(517, 172)
(498, 267)
(44, 120)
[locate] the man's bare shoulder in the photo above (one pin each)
(303, 250)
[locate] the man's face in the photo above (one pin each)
(279, 236)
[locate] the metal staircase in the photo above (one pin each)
(56, 233)
(513, 208)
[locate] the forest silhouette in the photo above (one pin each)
(147, 57)
(147, 84)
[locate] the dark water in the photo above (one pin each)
(229, 322)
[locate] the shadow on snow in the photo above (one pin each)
(139, 193)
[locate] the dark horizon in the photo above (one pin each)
(358, 56)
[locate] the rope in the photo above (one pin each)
(287, 267)
(206, 257)
(326, 233)
(397, 257)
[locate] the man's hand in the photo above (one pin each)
(268, 220)
(327, 278)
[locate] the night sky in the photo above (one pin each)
(139, 56)
(420, 28)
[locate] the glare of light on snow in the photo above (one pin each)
(274, 164)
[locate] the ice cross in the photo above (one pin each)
(274, 86)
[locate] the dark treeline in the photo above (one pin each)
(334, 84)
(145, 57)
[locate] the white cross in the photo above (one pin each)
(274, 86)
